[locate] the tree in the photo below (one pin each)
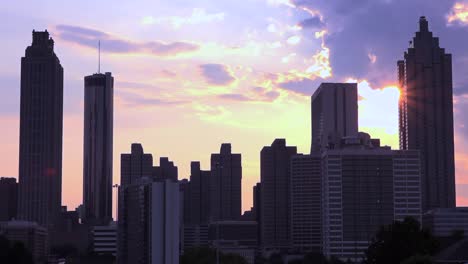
(400, 241)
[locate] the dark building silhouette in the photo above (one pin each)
(199, 194)
(135, 165)
(334, 114)
(226, 177)
(8, 198)
(166, 170)
(257, 209)
(426, 115)
(97, 148)
(275, 174)
(41, 124)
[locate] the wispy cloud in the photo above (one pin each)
(133, 100)
(217, 74)
(89, 37)
(198, 16)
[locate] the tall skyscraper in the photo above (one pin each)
(275, 173)
(334, 114)
(365, 186)
(41, 124)
(135, 165)
(97, 144)
(8, 198)
(426, 114)
(226, 177)
(306, 203)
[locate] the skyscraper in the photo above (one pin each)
(334, 114)
(275, 173)
(426, 114)
(165, 170)
(97, 144)
(41, 124)
(226, 177)
(135, 165)
(199, 194)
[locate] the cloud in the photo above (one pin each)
(132, 100)
(217, 74)
(303, 86)
(372, 57)
(458, 14)
(198, 16)
(89, 38)
(234, 97)
(314, 22)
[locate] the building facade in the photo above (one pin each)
(105, 239)
(97, 147)
(135, 165)
(334, 114)
(445, 222)
(306, 203)
(226, 179)
(41, 125)
(33, 236)
(166, 170)
(8, 198)
(275, 195)
(426, 115)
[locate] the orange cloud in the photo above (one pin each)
(458, 14)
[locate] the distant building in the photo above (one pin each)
(443, 222)
(275, 164)
(365, 187)
(8, 198)
(69, 231)
(426, 115)
(306, 203)
(334, 114)
(257, 210)
(33, 236)
(98, 146)
(166, 170)
(41, 126)
(149, 222)
(105, 239)
(199, 195)
(195, 236)
(135, 165)
(226, 178)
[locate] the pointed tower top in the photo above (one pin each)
(423, 24)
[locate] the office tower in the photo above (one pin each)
(166, 170)
(364, 187)
(275, 173)
(33, 236)
(8, 198)
(226, 177)
(426, 115)
(41, 124)
(334, 114)
(199, 194)
(97, 148)
(135, 165)
(306, 201)
(149, 222)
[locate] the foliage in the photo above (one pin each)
(400, 241)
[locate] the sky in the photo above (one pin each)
(190, 75)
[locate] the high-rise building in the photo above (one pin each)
(364, 187)
(149, 222)
(97, 144)
(275, 164)
(165, 170)
(199, 194)
(8, 198)
(257, 209)
(334, 114)
(446, 222)
(426, 115)
(306, 203)
(226, 178)
(135, 165)
(41, 125)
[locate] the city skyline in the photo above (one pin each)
(224, 111)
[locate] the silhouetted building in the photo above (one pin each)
(97, 152)
(199, 195)
(275, 195)
(445, 222)
(426, 115)
(165, 171)
(226, 178)
(41, 124)
(257, 209)
(105, 239)
(33, 236)
(334, 114)
(365, 187)
(8, 198)
(69, 231)
(149, 222)
(306, 201)
(135, 165)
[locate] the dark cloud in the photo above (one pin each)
(90, 37)
(216, 74)
(304, 86)
(313, 23)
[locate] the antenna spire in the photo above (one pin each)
(99, 56)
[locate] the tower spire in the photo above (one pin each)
(99, 56)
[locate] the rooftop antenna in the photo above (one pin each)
(99, 56)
